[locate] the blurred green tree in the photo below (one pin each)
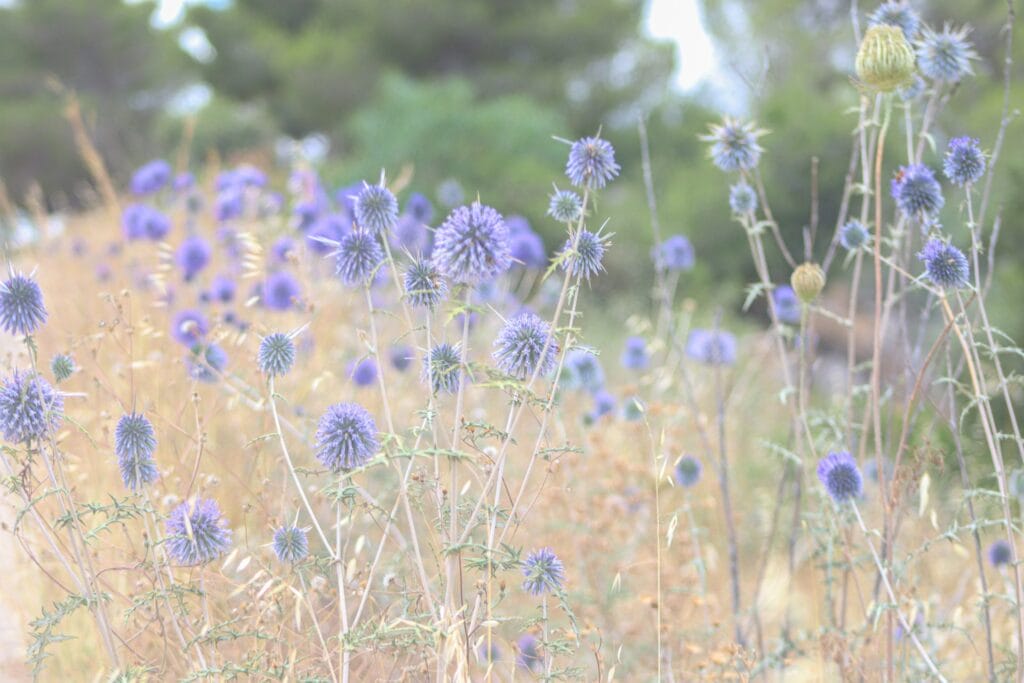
(315, 62)
(123, 71)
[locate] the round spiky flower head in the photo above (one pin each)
(808, 280)
(424, 285)
(965, 162)
(281, 291)
(585, 260)
(544, 572)
(29, 407)
(196, 533)
(838, 472)
(853, 235)
(917, 192)
(290, 544)
(787, 304)
(192, 256)
(442, 368)
(583, 370)
(634, 355)
(999, 553)
(742, 198)
(62, 366)
(189, 327)
(151, 177)
(376, 209)
(591, 163)
(885, 60)
(520, 349)
(675, 254)
(357, 257)
(21, 305)
(687, 471)
(134, 443)
(276, 355)
(565, 206)
(734, 145)
(711, 347)
(899, 14)
(346, 437)
(945, 265)
(363, 372)
(945, 56)
(472, 245)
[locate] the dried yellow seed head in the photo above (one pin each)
(808, 280)
(885, 60)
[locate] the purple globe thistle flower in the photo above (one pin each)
(604, 404)
(442, 368)
(419, 208)
(675, 254)
(346, 437)
(565, 206)
(62, 366)
(965, 162)
(29, 407)
(250, 176)
(197, 533)
(21, 305)
(424, 285)
(527, 249)
(281, 291)
(945, 265)
(290, 544)
(634, 356)
(917, 192)
(687, 471)
(192, 256)
(898, 14)
(519, 349)
(281, 248)
(223, 289)
(140, 221)
(527, 653)
(207, 364)
(450, 192)
(544, 572)
(357, 257)
(363, 372)
(734, 145)
(838, 472)
(151, 177)
(401, 357)
(582, 370)
(742, 198)
(586, 259)
(189, 326)
(787, 304)
(472, 245)
(711, 347)
(591, 163)
(134, 444)
(853, 235)
(1000, 553)
(230, 204)
(376, 209)
(945, 56)
(276, 354)
(411, 235)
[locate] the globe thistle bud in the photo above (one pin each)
(544, 572)
(742, 198)
(591, 163)
(853, 235)
(62, 367)
(192, 256)
(965, 162)
(896, 13)
(583, 370)
(634, 355)
(29, 407)
(472, 245)
(585, 260)
(945, 265)
(885, 60)
(281, 291)
(290, 544)
(711, 347)
(21, 305)
(520, 344)
(840, 476)
(151, 177)
(363, 372)
(565, 206)
(376, 209)
(734, 145)
(687, 471)
(357, 257)
(674, 254)
(346, 437)
(196, 534)
(134, 443)
(401, 357)
(917, 192)
(787, 304)
(424, 285)
(808, 280)
(276, 355)
(442, 368)
(945, 56)
(1000, 553)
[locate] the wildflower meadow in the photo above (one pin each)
(264, 421)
